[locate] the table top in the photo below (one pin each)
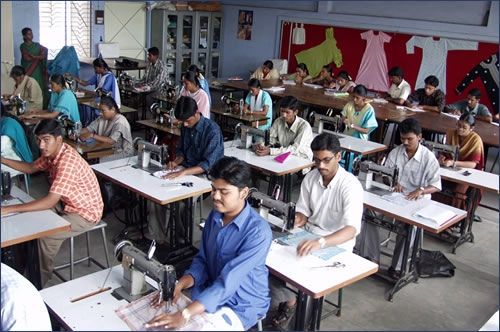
(292, 164)
(406, 213)
(477, 179)
(85, 149)
(246, 118)
(92, 103)
(27, 226)
(111, 62)
(162, 127)
(357, 145)
(148, 186)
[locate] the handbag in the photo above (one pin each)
(431, 264)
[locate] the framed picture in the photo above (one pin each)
(245, 23)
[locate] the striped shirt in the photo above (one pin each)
(156, 74)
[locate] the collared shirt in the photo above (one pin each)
(331, 208)
(230, 268)
(401, 91)
(463, 107)
(30, 90)
(297, 138)
(436, 99)
(22, 305)
(72, 178)
(118, 129)
(421, 170)
(156, 74)
(201, 145)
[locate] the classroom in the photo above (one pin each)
(249, 165)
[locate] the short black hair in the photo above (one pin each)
(269, 64)
(328, 68)
(326, 141)
(432, 80)
(232, 170)
(110, 103)
(468, 118)
(289, 102)
(360, 90)
(195, 69)
(474, 92)
(17, 71)
(396, 71)
(24, 31)
(154, 51)
(48, 126)
(185, 108)
(192, 77)
(345, 75)
(303, 66)
(410, 125)
(254, 83)
(99, 62)
(59, 80)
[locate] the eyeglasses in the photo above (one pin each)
(325, 161)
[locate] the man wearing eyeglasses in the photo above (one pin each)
(330, 205)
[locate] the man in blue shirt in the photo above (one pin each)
(470, 105)
(229, 273)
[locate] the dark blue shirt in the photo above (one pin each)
(230, 268)
(201, 145)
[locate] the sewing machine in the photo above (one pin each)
(71, 82)
(144, 147)
(136, 266)
(126, 80)
(378, 179)
(232, 104)
(169, 90)
(320, 120)
(266, 204)
(20, 104)
(449, 151)
(71, 128)
(247, 134)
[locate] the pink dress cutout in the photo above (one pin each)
(372, 72)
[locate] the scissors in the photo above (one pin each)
(334, 264)
(183, 184)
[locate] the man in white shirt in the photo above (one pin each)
(400, 89)
(22, 306)
(418, 178)
(330, 205)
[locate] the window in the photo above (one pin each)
(65, 23)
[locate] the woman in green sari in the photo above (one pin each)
(34, 61)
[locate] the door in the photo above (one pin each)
(7, 47)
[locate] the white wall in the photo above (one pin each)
(7, 47)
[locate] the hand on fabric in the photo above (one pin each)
(168, 321)
(174, 175)
(300, 220)
(261, 150)
(414, 195)
(306, 247)
(398, 188)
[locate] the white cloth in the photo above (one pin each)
(334, 207)
(402, 90)
(9, 153)
(224, 319)
(299, 35)
(434, 56)
(256, 102)
(373, 68)
(421, 170)
(23, 308)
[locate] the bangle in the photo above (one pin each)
(322, 242)
(186, 315)
(352, 125)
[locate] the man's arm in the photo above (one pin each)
(21, 166)
(45, 203)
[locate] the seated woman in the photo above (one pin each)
(111, 127)
(301, 74)
(324, 78)
(62, 101)
(27, 88)
(266, 72)
(343, 82)
(203, 81)
(471, 155)
(103, 80)
(14, 142)
(359, 117)
(259, 102)
(192, 88)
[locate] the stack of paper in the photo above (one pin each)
(275, 89)
(436, 213)
(336, 94)
(396, 198)
(380, 100)
(314, 86)
(289, 82)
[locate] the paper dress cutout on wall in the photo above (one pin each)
(487, 71)
(434, 56)
(372, 72)
(324, 53)
(299, 34)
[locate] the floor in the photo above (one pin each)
(463, 302)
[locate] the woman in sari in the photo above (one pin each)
(259, 102)
(34, 62)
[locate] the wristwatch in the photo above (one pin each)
(322, 242)
(186, 315)
(423, 190)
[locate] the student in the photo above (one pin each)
(27, 88)
(330, 205)
(301, 74)
(289, 133)
(418, 178)
(73, 183)
(259, 102)
(156, 74)
(266, 72)
(62, 101)
(111, 127)
(202, 80)
(228, 276)
(430, 98)
(324, 78)
(358, 115)
(400, 89)
(343, 82)
(471, 106)
(192, 88)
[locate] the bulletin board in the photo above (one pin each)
(459, 62)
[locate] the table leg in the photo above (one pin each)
(301, 311)
(466, 225)
(315, 314)
(287, 195)
(33, 268)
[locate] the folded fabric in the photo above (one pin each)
(282, 157)
(161, 174)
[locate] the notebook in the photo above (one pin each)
(436, 213)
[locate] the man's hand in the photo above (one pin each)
(85, 135)
(261, 150)
(7, 209)
(300, 220)
(306, 247)
(414, 195)
(167, 321)
(398, 188)
(171, 165)
(174, 175)
(455, 112)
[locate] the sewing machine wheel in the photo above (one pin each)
(155, 109)
(119, 247)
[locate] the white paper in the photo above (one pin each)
(380, 100)
(161, 174)
(436, 213)
(314, 86)
(397, 198)
(289, 82)
(275, 89)
(414, 109)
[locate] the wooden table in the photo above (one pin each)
(166, 128)
(125, 110)
(29, 227)
(91, 151)
(228, 120)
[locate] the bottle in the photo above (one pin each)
(242, 103)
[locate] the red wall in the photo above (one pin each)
(353, 47)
